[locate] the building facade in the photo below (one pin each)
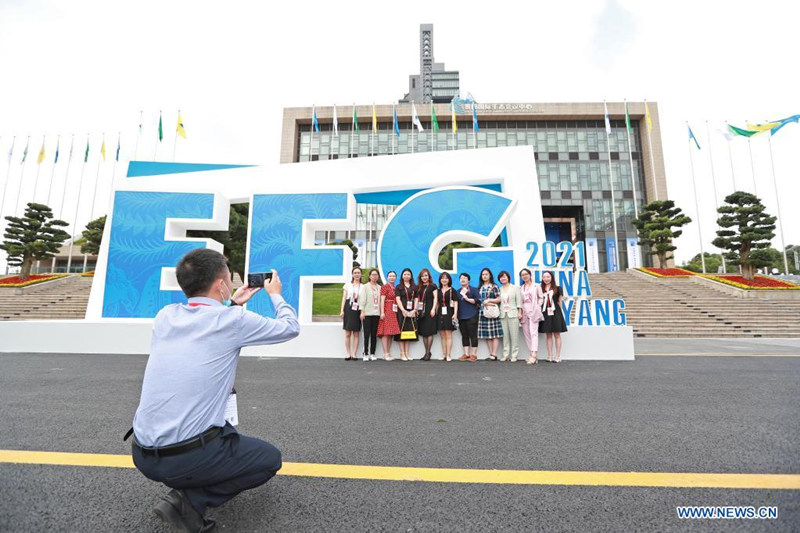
(570, 147)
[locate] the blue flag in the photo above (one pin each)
(117, 156)
(474, 119)
(783, 122)
(58, 143)
(396, 126)
(692, 137)
(314, 121)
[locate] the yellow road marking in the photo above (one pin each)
(456, 475)
(717, 355)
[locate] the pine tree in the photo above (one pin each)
(33, 237)
(746, 231)
(655, 227)
(92, 236)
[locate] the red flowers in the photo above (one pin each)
(759, 282)
(667, 272)
(14, 281)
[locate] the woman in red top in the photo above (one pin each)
(388, 326)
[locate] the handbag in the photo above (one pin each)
(408, 335)
(491, 311)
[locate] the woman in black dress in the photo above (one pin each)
(405, 294)
(427, 308)
(350, 313)
(553, 324)
(448, 310)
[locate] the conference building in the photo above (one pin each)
(576, 161)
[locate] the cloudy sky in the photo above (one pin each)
(83, 67)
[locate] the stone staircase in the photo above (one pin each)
(679, 307)
(67, 300)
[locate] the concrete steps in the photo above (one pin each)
(678, 307)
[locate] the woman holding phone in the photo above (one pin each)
(350, 313)
(387, 325)
(405, 294)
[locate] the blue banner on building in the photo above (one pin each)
(611, 255)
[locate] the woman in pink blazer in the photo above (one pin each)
(532, 299)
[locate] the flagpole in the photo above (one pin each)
(434, 132)
(38, 169)
(138, 136)
(778, 201)
(730, 158)
(155, 150)
(352, 130)
(455, 123)
(113, 172)
(697, 208)
(714, 188)
(652, 159)
(75, 218)
(8, 175)
(630, 159)
(21, 176)
(613, 200)
(64, 194)
(372, 133)
(94, 196)
(413, 126)
(752, 168)
(53, 173)
(175, 141)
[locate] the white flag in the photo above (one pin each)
(415, 118)
(725, 133)
(608, 121)
(335, 122)
(11, 150)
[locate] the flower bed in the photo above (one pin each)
(757, 283)
(15, 282)
(666, 272)
(89, 274)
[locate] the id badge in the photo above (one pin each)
(506, 307)
(419, 306)
(444, 311)
(409, 305)
(232, 410)
(394, 308)
(354, 307)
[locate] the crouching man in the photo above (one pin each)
(181, 437)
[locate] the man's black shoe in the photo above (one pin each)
(176, 510)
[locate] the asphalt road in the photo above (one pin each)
(657, 414)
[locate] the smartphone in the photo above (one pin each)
(256, 279)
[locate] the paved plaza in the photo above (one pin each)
(661, 414)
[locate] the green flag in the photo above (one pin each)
(355, 120)
(86, 155)
(434, 122)
(628, 119)
(160, 129)
(742, 132)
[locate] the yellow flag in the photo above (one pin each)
(103, 149)
(179, 128)
(647, 117)
(761, 128)
(374, 119)
(41, 155)
(453, 111)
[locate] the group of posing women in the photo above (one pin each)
(410, 311)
